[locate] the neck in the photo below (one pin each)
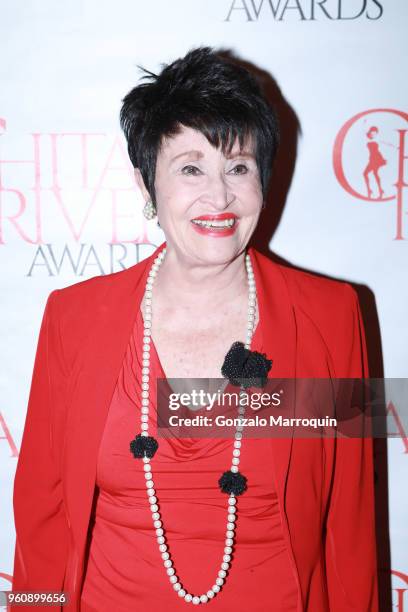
(182, 281)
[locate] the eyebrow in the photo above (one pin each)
(200, 154)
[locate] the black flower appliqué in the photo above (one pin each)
(143, 445)
(245, 368)
(232, 482)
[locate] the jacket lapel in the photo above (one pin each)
(95, 375)
(92, 386)
(279, 344)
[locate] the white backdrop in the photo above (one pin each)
(69, 208)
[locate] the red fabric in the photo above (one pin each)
(125, 566)
(313, 328)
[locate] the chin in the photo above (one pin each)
(215, 253)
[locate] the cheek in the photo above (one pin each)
(251, 195)
(173, 201)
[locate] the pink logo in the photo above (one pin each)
(368, 159)
(399, 592)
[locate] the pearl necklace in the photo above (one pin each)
(232, 501)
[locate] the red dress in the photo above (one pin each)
(125, 569)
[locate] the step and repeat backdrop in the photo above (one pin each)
(70, 209)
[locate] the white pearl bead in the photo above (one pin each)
(236, 452)
(222, 573)
(228, 550)
(216, 588)
(170, 571)
(188, 597)
(161, 540)
(144, 426)
(147, 467)
(210, 594)
(162, 547)
(232, 501)
(229, 541)
(168, 563)
(235, 461)
(158, 524)
(159, 531)
(219, 581)
(144, 418)
(155, 516)
(165, 555)
(234, 468)
(226, 558)
(230, 526)
(230, 533)
(225, 566)
(196, 600)
(150, 484)
(181, 593)
(204, 598)
(231, 518)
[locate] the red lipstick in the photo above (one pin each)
(204, 226)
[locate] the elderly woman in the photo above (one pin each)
(120, 518)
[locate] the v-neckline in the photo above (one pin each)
(256, 345)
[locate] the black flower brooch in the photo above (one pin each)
(143, 445)
(245, 368)
(233, 482)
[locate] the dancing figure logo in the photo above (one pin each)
(377, 138)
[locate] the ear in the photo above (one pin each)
(141, 184)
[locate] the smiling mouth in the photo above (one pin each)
(222, 223)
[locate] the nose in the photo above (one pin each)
(217, 194)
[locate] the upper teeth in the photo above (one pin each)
(208, 223)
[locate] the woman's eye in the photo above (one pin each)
(242, 169)
(190, 170)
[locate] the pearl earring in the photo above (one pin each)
(149, 210)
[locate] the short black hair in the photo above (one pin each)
(205, 91)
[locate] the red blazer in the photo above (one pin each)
(312, 327)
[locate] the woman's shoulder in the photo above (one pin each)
(94, 288)
(306, 286)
